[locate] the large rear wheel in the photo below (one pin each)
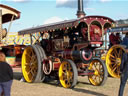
(100, 72)
(31, 64)
(68, 74)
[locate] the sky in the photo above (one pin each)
(38, 12)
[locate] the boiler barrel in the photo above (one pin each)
(78, 55)
(83, 55)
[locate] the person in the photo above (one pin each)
(123, 72)
(118, 39)
(44, 40)
(124, 66)
(6, 76)
(112, 39)
(125, 40)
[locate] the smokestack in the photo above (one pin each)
(80, 12)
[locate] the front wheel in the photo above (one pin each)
(68, 74)
(100, 72)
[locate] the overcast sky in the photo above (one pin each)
(39, 12)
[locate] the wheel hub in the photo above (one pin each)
(96, 72)
(118, 61)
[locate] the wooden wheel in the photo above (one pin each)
(113, 60)
(68, 74)
(31, 64)
(100, 72)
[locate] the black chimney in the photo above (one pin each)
(80, 12)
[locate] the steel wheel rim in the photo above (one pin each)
(98, 75)
(113, 60)
(29, 64)
(66, 74)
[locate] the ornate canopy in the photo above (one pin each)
(88, 20)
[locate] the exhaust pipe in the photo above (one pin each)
(80, 12)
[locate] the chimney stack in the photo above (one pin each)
(80, 12)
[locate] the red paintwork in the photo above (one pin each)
(56, 66)
(101, 19)
(85, 74)
(67, 54)
(96, 43)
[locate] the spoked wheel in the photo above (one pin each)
(31, 64)
(100, 72)
(68, 74)
(113, 60)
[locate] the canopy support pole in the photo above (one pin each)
(89, 32)
(0, 26)
(9, 27)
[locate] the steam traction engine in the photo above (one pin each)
(66, 50)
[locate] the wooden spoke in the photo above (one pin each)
(116, 53)
(120, 53)
(114, 69)
(113, 59)
(112, 56)
(115, 65)
(110, 63)
(29, 57)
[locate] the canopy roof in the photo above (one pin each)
(65, 24)
(48, 27)
(8, 12)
